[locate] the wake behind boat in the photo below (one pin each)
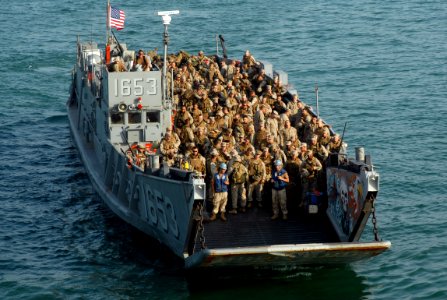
(216, 159)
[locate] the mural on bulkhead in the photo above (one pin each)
(346, 197)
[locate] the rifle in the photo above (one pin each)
(127, 142)
(120, 48)
(342, 136)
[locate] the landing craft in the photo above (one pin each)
(110, 110)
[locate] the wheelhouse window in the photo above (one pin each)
(117, 118)
(134, 117)
(153, 117)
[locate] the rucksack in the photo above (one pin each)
(239, 174)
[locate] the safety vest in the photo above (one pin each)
(277, 183)
(219, 183)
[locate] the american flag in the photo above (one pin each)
(117, 17)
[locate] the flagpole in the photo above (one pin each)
(108, 22)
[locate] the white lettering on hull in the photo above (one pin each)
(135, 87)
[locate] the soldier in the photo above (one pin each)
(214, 72)
(212, 129)
(202, 60)
(256, 172)
(187, 134)
(181, 118)
(298, 118)
(249, 60)
(207, 106)
(259, 117)
(288, 133)
(293, 169)
(335, 144)
(271, 143)
(220, 184)
(245, 84)
(260, 136)
(245, 146)
(268, 95)
(310, 128)
(199, 123)
(238, 128)
(322, 128)
(289, 149)
(325, 139)
(117, 65)
(224, 69)
(196, 113)
(238, 176)
(228, 138)
(211, 170)
(197, 161)
(221, 121)
(280, 179)
(293, 105)
(278, 154)
(309, 169)
(278, 86)
(303, 151)
(237, 77)
(185, 72)
(285, 116)
(142, 62)
(167, 146)
(278, 104)
(259, 81)
(248, 128)
(141, 156)
(231, 70)
(201, 140)
(272, 124)
(245, 109)
(319, 151)
(267, 159)
(224, 153)
(174, 137)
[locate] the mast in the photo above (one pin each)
(166, 17)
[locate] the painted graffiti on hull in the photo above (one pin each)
(346, 197)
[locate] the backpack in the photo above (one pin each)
(239, 174)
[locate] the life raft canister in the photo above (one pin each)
(107, 54)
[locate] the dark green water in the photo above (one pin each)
(380, 66)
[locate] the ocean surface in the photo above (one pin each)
(381, 66)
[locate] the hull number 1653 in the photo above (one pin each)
(135, 87)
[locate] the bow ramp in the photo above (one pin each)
(253, 240)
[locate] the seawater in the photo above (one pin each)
(380, 66)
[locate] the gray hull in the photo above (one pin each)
(160, 207)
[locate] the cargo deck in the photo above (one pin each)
(255, 228)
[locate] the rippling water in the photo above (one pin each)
(380, 66)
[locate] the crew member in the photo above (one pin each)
(220, 184)
(280, 179)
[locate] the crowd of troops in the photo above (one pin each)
(234, 126)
